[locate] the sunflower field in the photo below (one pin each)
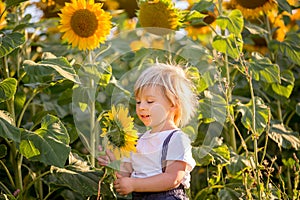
(67, 69)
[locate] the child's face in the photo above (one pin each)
(154, 109)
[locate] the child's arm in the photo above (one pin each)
(125, 169)
(172, 177)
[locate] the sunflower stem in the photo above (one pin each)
(92, 114)
(255, 135)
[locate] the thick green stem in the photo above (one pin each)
(255, 138)
(16, 159)
(231, 129)
(91, 100)
(5, 67)
(289, 182)
(92, 124)
(35, 92)
(267, 137)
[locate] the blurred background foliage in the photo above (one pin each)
(243, 56)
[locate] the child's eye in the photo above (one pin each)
(150, 101)
(137, 102)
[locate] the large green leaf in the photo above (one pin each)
(7, 130)
(282, 90)
(199, 57)
(264, 70)
(233, 22)
(289, 47)
(49, 69)
(204, 155)
(10, 42)
(261, 115)
(231, 44)
(212, 107)
(77, 176)
(203, 5)
(284, 136)
(8, 89)
(49, 144)
(238, 164)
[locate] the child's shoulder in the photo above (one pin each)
(181, 135)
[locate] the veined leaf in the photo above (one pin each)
(233, 22)
(78, 176)
(7, 130)
(289, 47)
(204, 155)
(264, 70)
(238, 164)
(51, 67)
(231, 45)
(10, 42)
(284, 136)
(8, 89)
(203, 5)
(198, 56)
(49, 144)
(261, 115)
(213, 107)
(283, 90)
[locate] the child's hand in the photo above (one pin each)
(123, 185)
(105, 159)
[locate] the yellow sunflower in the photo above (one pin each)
(295, 18)
(160, 14)
(3, 15)
(277, 23)
(85, 24)
(119, 130)
(252, 8)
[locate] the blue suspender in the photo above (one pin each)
(165, 151)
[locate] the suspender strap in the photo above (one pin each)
(165, 151)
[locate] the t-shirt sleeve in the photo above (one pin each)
(180, 148)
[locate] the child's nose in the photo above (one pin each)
(143, 105)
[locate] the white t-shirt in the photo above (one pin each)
(146, 161)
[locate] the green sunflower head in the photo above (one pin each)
(159, 14)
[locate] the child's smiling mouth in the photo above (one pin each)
(145, 116)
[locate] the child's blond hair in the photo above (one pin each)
(175, 85)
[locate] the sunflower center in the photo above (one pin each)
(251, 4)
(84, 23)
(117, 138)
(209, 19)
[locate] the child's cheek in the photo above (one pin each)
(158, 110)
